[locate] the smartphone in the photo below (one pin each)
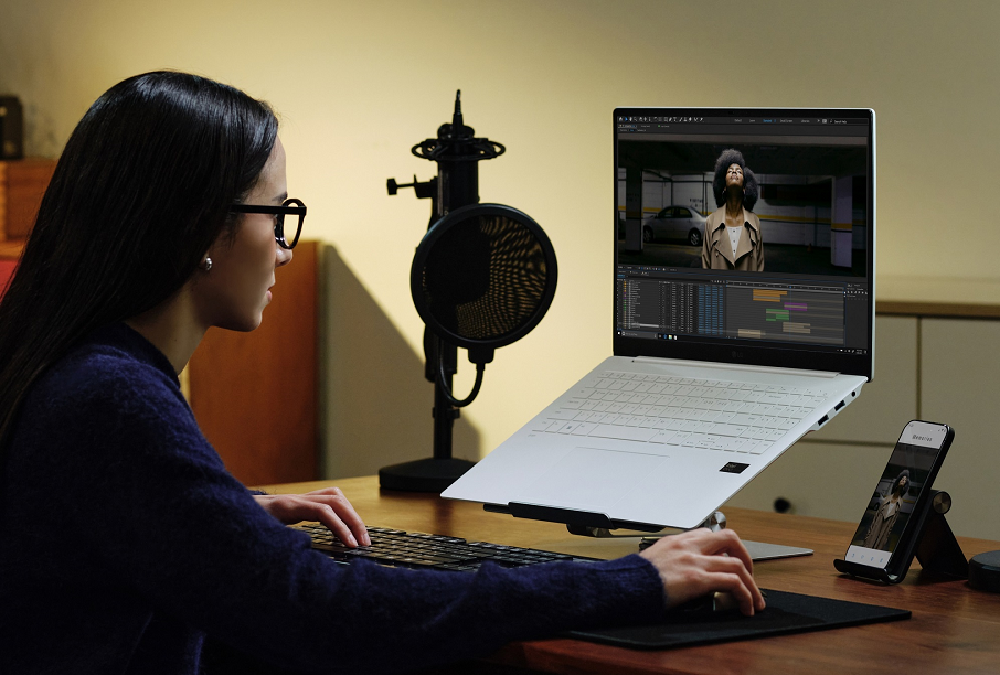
(885, 539)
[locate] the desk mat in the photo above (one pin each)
(785, 613)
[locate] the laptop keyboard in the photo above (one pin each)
(682, 412)
(395, 548)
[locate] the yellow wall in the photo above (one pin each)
(358, 83)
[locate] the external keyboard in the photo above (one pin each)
(395, 548)
(682, 412)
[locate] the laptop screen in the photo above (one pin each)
(746, 236)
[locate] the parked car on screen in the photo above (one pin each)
(674, 222)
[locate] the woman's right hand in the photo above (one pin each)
(699, 562)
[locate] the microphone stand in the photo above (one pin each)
(457, 152)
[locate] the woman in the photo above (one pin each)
(732, 238)
(126, 546)
(887, 512)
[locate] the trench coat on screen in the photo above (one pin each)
(717, 251)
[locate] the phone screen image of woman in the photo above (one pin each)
(904, 478)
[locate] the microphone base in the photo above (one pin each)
(423, 475)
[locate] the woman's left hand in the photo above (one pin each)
(328, 506)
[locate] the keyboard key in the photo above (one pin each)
(622, 432)
(541, 424)
(731, 444)
(716, 443)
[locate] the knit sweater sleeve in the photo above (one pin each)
(150, 499)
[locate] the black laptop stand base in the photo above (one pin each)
(588, 524)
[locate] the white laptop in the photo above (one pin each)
(716, 371)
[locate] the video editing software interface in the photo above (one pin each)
(800, 282)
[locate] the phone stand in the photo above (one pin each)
(933, 543)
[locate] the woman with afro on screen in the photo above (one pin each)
(732, 238)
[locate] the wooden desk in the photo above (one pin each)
(954, 629)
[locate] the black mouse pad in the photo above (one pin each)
(786, 613)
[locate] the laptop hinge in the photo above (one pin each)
(736, 366)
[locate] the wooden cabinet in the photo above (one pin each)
(22, 184)
(255, 394)
(960, 386)
(935, 359)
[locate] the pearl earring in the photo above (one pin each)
(206, 264)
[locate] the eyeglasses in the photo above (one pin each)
(291, 207)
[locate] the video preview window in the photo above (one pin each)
(809, 207)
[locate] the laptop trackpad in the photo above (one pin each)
(590, 479)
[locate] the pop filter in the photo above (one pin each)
(483, 276)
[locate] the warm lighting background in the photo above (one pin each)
(358, 83)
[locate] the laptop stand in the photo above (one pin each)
(588, 524)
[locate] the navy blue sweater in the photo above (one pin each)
(126, 547)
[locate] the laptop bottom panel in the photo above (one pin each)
(664, 442)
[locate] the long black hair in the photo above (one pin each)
(140, 193)
(750, 189)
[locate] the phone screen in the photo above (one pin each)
(909, 472)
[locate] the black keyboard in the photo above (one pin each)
(395, 548)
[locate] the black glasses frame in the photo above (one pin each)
(291, 207)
